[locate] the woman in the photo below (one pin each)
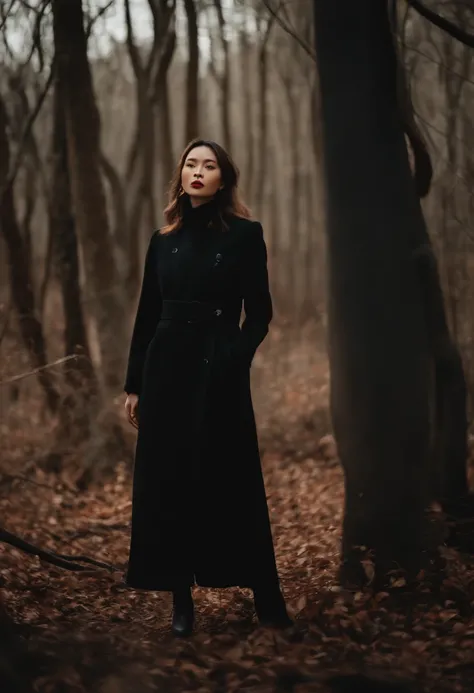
(199, 508)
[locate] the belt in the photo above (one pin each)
(191, 311)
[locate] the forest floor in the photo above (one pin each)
(88, 633)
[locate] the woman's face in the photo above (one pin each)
(201, 175)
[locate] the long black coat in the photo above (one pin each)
(199, 508)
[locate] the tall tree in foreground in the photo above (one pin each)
(378, 343)
(192, 118)
(83, 138)
(80, 405)
(21, 281)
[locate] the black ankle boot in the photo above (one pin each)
(270, 608)
(183, 613)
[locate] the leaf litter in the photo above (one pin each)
(88, 633)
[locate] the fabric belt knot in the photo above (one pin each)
(190, 311)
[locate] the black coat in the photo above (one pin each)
(199, 507)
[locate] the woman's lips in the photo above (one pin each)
(197, 184)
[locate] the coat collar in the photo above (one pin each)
(200, 216)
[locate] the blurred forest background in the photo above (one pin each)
(97, 100)
(163, 72)
(73, 239)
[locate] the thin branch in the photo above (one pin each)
(446, 135)
(96, 17)
(285, 25)
(467, 229)
(59, 560)
(443, 24)
(26, 133)
(40, 368)
(87, 559)
(6, 14)
(36, 45)
(18, 477)
(449, 70)
(94, 529)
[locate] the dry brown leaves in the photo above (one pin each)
(93, 634)
(89, 633)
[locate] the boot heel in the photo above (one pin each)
(182, 622)
(270, 609)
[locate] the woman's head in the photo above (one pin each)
(205, 171)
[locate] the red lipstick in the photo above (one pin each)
(197, 184)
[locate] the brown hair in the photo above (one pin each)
(228, 198)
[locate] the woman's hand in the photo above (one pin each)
(131, 407)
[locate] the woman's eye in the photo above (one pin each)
(189, 165)
(211, 168)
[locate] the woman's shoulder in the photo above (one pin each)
(244, 224)
(161, 234)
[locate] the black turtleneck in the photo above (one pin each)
(202, 216)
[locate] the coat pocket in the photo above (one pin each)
(228, 355)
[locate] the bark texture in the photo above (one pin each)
(380, 360)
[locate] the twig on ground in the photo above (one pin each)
(18, 477)
(14, 378)
(61, 561)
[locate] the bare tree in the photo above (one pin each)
(245, 54)
(150, 80)
(80, 403)
(224, 78)
(21, 281)
(265, 25)
(192, 82)
(83, 136)
(378, 349)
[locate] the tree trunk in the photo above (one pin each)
(141, 208)
(378, 347)
(296, 260)
(262, 117)
(192, 83)
(467, 124)
(21, 281)
(247, 102)
(77, 407)
(119, 212)
(225, 80)
(34, 173)
(166, 136)
(451, 381)
(83, 135)
(162, 107)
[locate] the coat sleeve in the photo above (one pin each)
(146, 320)
(256, 292)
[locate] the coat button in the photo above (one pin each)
(206, 360)
(218, 311)
(175, 250)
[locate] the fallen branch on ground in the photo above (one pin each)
(38, 369)
(59, 560)
(94, 529)
(6, 477)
